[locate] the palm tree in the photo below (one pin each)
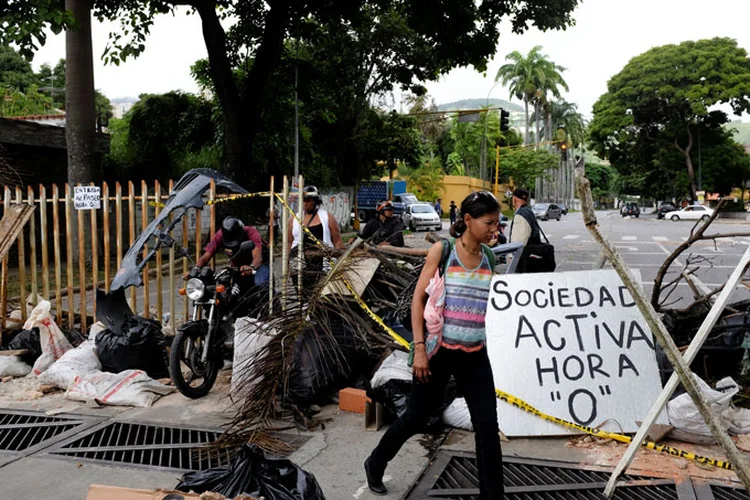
(521, 75)
(561, 114)
(550, 84)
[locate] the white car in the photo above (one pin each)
(421, 216)
(691, 212)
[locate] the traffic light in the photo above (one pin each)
(564, 152)
(504, 120)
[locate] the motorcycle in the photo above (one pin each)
(199, 345)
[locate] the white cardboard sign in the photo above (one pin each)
(87, 197)
(575, 346)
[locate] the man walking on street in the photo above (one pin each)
(453, 212)
(523, 227)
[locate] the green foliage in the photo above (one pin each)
(15, 71)
(163, 136)
(524, 165)
(24, 23)
(604, 181)
(32, 102)
(660, 102)
(426, 180)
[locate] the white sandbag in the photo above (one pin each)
(684, 415)
(13, 366)
(76, 362)
(394, 367)
(457, 415)
(54, 343)
(128, 388)
(250, 336)
(96, 328)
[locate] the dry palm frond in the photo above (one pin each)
(329, 332)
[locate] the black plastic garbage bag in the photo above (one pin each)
(324, 362)
(139, 346)
(395, 394)
(27, 339)
(253, 473)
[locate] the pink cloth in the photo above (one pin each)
(433, 310)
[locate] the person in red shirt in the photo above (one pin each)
(228, 239)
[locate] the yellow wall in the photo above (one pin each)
(458, 187)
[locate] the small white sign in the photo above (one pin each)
(575, 346)
(87, 197)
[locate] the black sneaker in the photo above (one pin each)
(374, 483)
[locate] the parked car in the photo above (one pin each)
(563, 208)
(547, 211)
(691, 212)
(421, 216)
(665, 208)
(405, 198)
(630, 208)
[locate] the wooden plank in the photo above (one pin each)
(144, 224)
(157, 209)
(185, 243)
(32, 248)
(106, 229)
(21, 260)
(212, 214)
(118, 223)
(131, 221)
(15, 219)
(4, 256)
(69, 249)
(82, 268)
(56, 245)
(14, 352)
(45, 245)
(94, 258)
(172, 300)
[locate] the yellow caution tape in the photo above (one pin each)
(222, 199)
(519, 403)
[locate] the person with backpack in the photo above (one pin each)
(463, 266)
(538, 256)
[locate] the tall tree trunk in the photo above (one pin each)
(80, 96)
(527, 139)
(536, 124)
(689, 163)
(236, 143)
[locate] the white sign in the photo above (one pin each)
(573, 345)
(87, 197)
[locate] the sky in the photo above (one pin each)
(607, 34)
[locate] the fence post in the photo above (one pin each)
(131, 230)
(105, 229)
(118, 223)
(32, 249)
(157, 200)
(82, 268)
(284, 244)
(271, 219)
(56, 246)
(94, 259)
(172, 302)
(144, 224)
(21, 260)
(45, 245)
(69, 255)
(4, 278)
(212, 216)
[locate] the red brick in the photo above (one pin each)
(353, 400)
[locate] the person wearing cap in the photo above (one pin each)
(523, 227)
(453, 212)
(385, 229)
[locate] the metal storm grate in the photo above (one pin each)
(453, 475)
(726, 493)
(144, 445)
(151, 446)
(27, 431)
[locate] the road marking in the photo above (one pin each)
(660, 238)
(571, 237)
(629, 249)
(629, 238)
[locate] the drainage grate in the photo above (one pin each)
(725, 493)
(150, 446)
(453, 475)
(25, 432)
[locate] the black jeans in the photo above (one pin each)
(474, 378)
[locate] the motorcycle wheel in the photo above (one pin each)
(185, 355)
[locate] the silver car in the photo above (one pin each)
(547, 211)
(421, 216)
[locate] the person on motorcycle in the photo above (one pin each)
(228, 239)
(385, 229)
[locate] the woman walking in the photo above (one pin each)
(458, 350)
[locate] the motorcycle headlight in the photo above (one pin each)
(195, 289)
